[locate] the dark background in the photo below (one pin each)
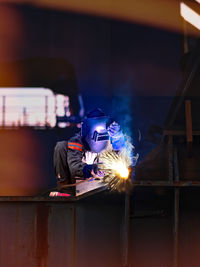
(129, 70)
(132, 72)
(118, 66)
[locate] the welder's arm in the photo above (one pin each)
(77, 167)
(116, 136)
(74, 159)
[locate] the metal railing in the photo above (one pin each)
(32, 107)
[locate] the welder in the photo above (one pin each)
(78, 157)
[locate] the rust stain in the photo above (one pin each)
(16, 239)
(41, 234)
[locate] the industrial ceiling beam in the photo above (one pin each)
(163, 14)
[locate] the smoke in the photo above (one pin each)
(118, 167)
(122, 111)
(121, 106)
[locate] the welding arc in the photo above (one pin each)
(116, 168)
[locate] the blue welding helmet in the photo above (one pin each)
(94, 131)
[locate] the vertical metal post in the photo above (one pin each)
(74, 236)
(176, 209)
(170, 158)
(185, 37)
(188, 118)
(126, 247)
(46, 110)
(41, 234)
(24, 116)
(3, 110)
(176, 165)
(176, 226)
(55, 109)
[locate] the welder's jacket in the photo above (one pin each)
(75, 154)
(68, 157)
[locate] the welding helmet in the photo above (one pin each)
(94, 132)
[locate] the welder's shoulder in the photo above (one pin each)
(61, 145)
(75, 139)
(75, 143)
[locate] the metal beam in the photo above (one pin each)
(176, 225)
(170, 158)
(188, 118)
(126, 237)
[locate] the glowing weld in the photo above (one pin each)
(116, 168)
(120, 169)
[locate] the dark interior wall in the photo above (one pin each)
(107, 55)
(118, 65)
(131, 71)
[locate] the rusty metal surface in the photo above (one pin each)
(176, 226)
(126, 241)
(89, 233)
(34, 235)
(60, 234)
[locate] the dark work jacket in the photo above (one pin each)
(75, 154)
(68, 159)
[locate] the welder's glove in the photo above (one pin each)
(134, 159)
(116, 136)
(89, 169)
(89, 157)
(113, 129)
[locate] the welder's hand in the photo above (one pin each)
(134, 159)
(89, 157)
(89, 169)
(113, 129)
(98, 175)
